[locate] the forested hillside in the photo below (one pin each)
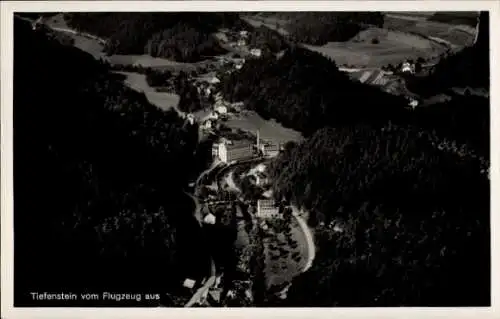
(318, 28)
(455, 17)
(267, 39)
(405, 223)
(182, 36)
(306, 91)
(98, 173)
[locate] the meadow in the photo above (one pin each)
(391, 47)
(286, 252)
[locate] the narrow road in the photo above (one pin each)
(311, 248)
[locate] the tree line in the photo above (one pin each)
(318, 28)
(181, 36)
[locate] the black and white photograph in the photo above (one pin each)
(242, 158)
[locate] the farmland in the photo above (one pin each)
(392, 48)
(457, 35)
(404, 35)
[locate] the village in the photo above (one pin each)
(238, 181)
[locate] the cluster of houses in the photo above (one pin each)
(239, 40)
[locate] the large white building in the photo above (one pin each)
(266, 208)
(235, 151)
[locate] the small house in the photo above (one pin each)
(413, 103)
(209, 219)
(407, 67)
(221, 109)
(256, 52)
(270, 150)
(189, 283)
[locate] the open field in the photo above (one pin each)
(280, 246)
(269, 129)
(269, 22)
(393, 48)
(457, 35)
(164, 101)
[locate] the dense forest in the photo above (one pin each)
(401, 210)
(318, 28)
(270, 41)
(98, 173)
(305, 91)
(190, 100)
(455, 17)
(399, 221)
(181, 36)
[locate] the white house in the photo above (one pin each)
(413, 103)
(407, 67)
(256, 52)
(189, 283)
(213, 116)
(221, 109)
(209, 219)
